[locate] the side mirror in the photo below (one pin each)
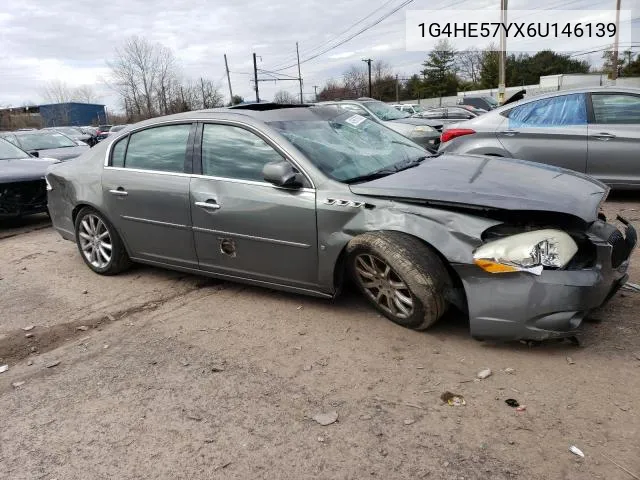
(281, 174)
(34, 153)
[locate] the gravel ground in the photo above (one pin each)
(165, 375)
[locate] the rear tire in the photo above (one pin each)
(99, 244)
(401, 276)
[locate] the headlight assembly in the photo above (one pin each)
(528, 252)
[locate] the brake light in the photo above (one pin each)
(455, 133)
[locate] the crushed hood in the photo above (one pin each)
(492, 182)
(24, 170)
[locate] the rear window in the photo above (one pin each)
(617, 108)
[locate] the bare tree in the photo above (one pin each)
(140, 73)
(210, 94)
(85, 94)
(469, 63)
(285, 97)
(356, 83)
(56, 91)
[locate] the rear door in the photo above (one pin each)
(244, 226)
(550, 130)
(614, 138)
(146, 192)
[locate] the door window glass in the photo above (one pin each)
(118, 151)
(616, 108)
(550, 112)
(158, 148)
(233, 152)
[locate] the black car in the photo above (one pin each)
(22, 185)
(484, 102)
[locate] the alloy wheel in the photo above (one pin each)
(95, 241)
(383, 285)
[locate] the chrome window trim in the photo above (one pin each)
(264, 136)
(208, 177)
(272, 142)
(143, 127)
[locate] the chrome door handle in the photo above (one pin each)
(208, 205)
(604, 136)
(119, 192)
(509, 133)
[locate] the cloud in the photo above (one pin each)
(73, 40)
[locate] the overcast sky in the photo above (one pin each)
(72, 40)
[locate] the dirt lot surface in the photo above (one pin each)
(163, 375)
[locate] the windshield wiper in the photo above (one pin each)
(383, 172)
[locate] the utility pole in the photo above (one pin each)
(503, 52)
(255, 77)
(226, 66)
(397, 90)
(368, 62)
(315, 90)
(614, 60)
(299, 75)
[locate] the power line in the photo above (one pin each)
(631, 47)
(317, 47)
(349, 38)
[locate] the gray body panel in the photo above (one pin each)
(154, 217)
(67, 153)
(610, 153)
(24, 169)
(493, 182)
(266, 226)
(613, 154)
(294, 239)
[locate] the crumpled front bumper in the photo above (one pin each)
(519, 305)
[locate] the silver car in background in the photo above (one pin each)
(47, 143)
(423, 132)
(594, 131)
(299, 198)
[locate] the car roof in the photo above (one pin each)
(274, 114)
(560, 93)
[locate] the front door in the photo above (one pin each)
(550, 130)
(146, 192)
(244, 226)
(614, 138)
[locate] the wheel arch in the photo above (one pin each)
(456, 297)
(81, 205)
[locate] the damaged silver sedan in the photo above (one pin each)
(301, 199)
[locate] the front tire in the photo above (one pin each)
(99, 244)
(401, 276)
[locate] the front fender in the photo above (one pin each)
(453, 234)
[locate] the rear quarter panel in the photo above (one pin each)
(483, 142)
(75, 182)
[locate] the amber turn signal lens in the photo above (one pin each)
(493, 267)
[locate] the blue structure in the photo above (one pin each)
(72, 114)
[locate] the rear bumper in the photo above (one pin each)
(519, 305)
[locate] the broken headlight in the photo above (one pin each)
(526, 252)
